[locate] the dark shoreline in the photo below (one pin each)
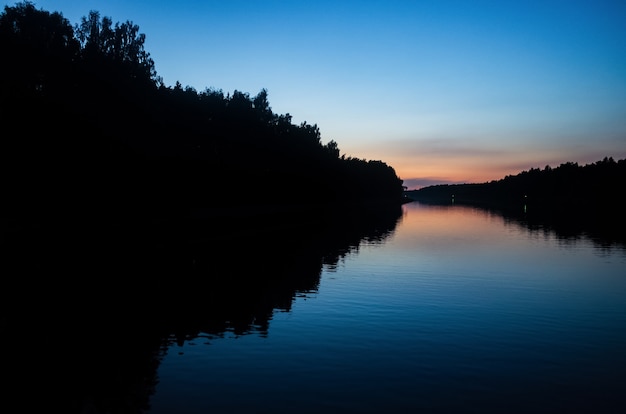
(605, 225)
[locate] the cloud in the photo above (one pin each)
(446, 148)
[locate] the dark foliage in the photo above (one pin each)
(124, 200)
(89, 126)
(589, 196)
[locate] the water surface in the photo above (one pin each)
(455, 309)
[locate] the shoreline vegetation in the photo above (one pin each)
(91, 132)
(93, 135)
(584, 199)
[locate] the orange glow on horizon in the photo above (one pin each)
(423, 170)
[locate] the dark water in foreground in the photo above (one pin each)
(433, 309)
(456, 310)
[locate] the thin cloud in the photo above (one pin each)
(444, 148)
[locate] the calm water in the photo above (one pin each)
(453, 310)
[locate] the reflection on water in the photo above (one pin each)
(240, 281)
(412, 309)
(88, 311)
(459, 310)
(605, 229)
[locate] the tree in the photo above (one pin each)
(332, 149)
(38, 51)
(262, 106)
(95, 123)
(122, 43)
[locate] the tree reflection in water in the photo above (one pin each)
(606, 229)
(88, 311)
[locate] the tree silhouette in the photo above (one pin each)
(99, 128)
(122, 43)
(569, 192)
(38, 50)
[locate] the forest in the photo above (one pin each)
(589, 197)
(89, 128)
(596, 184)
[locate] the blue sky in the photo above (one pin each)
(443, 91)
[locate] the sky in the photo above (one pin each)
(442, 91)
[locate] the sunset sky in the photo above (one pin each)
(443, 91)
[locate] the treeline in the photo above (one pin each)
(88, 123)
(595, 186)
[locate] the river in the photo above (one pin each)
(450, 309)
(396, 309)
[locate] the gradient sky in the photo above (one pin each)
(442, 91)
